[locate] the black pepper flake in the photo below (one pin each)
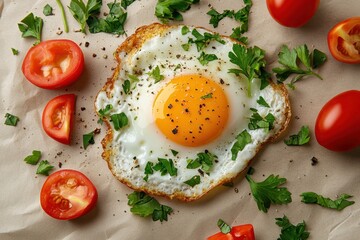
(170, 106)
(82, 108)
(60, 164)
(186, 110)
(314, 161)
(236, 190)
(201, 172)
(97, 130)
(207, 119)
(87, 44)
(174, 131)
(94, 55)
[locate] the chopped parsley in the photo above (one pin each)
(186, 46)
(202, 41)
(144, 206)
(11, 120)
(195, 180)
(243, 139)
(166, 10)
(126, 3)
(155, 74)
(164, 166)
(148, 170)
(47, 11)
(31, 26)
(268, 191)
(339, 204)
(290, 231)
(251, 63)
(224, 227)
(104, 112)
(126, 86)
(216, 17)
(204, 160)
(258, 122)
(119, 120)
(174, 152)
(209, 95)
(44, 168)
(185, 30)
(291, 59)
(261, 101)
(128, 82)
(299, 139)
(82, 12)
(88, 139)
(204, 58)
(237, 35)
(14, 51)
(34, 158)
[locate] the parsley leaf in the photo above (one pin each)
(257, 121)
(14, 51)
(148, 170)
(155, 73)
(224, 228)
(44, 168)
(291, 59)
(209, 95)
(104, 112)
(144, 205)
(237, 35)
(339, 204)
(127, 83)
(170, 9)
(195, 180)
(299, 139)
(290, 231)
(216, 17)
(204, 58)
(126, 3)
(174, 152)
(261, 101)
(251, 63)
(82, 12)
(11, 120)
(185, 30)
(31, 26)
(243, 139)
(47, 11)
(88, 139)
(204, 160)
(34, 158)
(119, 120)
(113, 23)
(202, 41)
(268, 192)
(166, 166)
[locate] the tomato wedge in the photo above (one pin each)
(57, 117)
(68, 194)
(344, 41)
(53, 64)
(240, 232)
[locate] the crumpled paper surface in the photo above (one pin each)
(21, 215)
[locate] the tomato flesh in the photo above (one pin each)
(241, 232)
(292, 13)
(344, 41)
(337, 125)
(53, 64)
(57, 117)
(67, 194)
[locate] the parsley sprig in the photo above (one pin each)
(34, 158)
(339, 204)
(82, 12)
(164, 166)
(299, 62)
(299, 139)
(144, 206)
(290, 231)
(205, 160)
(166, 10)
(268, 191)
(44, 168)
(258, 122)
(31, 26)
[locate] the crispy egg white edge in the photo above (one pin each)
(131, 169)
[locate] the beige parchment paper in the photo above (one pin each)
(21, 216)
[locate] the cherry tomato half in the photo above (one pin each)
(68, 194)
(53, 64)
(292, 13)
(337, 125)
(241, 232)
(57, 117)
(344, 41)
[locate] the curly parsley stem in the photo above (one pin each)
(66, 27)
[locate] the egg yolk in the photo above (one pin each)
(191, 110)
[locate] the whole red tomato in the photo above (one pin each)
(338, 124)
(292, 13)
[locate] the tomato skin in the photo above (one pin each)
(240, 232)
(344, 41)
(75, 193)
(337, 125)
(53, 64)
(292, 13)
(57, 117)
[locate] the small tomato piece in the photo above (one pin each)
(53, 64)
(344, 41)
(337, 125)
(57, 117)
(292, 13)
(68, 194)
(240, 232)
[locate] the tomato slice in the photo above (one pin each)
(68, 194)
(337, 125)
(53, 64)
(57, 117)
(240, 232)
(344, 41)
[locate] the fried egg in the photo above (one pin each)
(185, 113)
